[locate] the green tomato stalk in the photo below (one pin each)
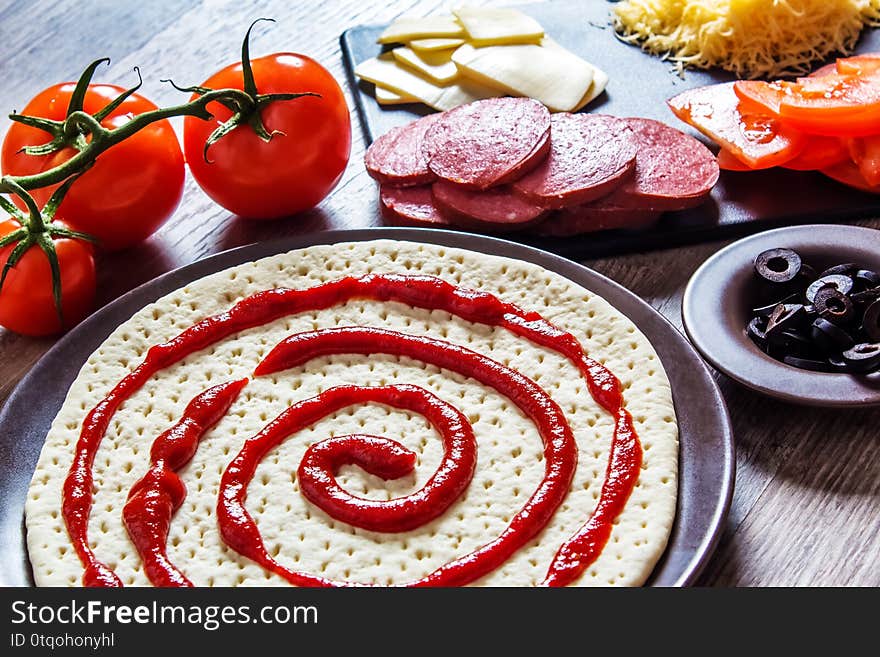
(84, 133)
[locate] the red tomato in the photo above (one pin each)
(849, 174)
(819, 153)
(751, 133)
(295, 170)
(132, 189)
(834, 105)
(865, 152)
(27, 305)
(730, 162)
(859, 64)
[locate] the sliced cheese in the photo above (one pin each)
(407, 28)
(550, 74)
(600, 81)
(432, 45)
(387, 97)
(384, 72)
(487, 26)
(436, 66)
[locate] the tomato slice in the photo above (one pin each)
(834, 105)
(865, 152)
(767, 95)
(859, 64)
(849, 174)
(746, 129)
(730, 162)
(820, 153)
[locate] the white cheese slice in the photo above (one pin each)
(555, 76)
(600, 81)
(408, 28)
(492, 26)
(387, 97)
(432, 45)
(436, 66)
(384, 72)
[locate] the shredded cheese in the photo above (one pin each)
(751, 38)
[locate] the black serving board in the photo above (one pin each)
(742, 202)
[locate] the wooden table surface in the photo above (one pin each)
(805, 510)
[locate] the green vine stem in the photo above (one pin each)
(85, 133)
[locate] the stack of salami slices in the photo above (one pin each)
(506, 164)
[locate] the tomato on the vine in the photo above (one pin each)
(302, 162)
(27, 303)
(133, 187)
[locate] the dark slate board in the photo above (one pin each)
(742, 203)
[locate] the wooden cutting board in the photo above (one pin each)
(640, 84)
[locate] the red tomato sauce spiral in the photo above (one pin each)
(375, 454)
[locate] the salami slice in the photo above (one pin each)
(492, 210)
(590, 155)
(488, 142)
(410, 206)
(396, 158)
(673, 170)
(593, 217)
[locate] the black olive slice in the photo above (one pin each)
(784, 317)
(834, 306)
(845, 269)
(871, 321)
(866, 296)
(830, 337)
(790, 343)
(808, 364)
(807, 274)
(865, 278)
(839, 365)
(844, 284)
(756, 330)
(778, 265)
(766, 311)
(863, 357)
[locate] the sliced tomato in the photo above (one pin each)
(859, 64)
(766, 95)
(730, 162)
(849, 174)
(834, 105)
(819, 153)
(747, 130)
(828, 69)
(865, 152)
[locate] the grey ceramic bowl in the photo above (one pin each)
(720, 294)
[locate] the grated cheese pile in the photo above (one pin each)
(751, 38)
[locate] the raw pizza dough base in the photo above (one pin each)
(301, 536)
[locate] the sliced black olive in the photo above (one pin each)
(790, 343)
(866, 279)
(844, 284)
(756, 330)
(766, 311)
(871, 321)
(866, 296)
(830, 337)
(838, 364)
(784, 317)
(845, 269)
(834, 306)
(808, 364)
(863, 357)
(778, 265)
(807, 274)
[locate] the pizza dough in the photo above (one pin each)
(298, 534)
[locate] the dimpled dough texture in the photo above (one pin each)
(299, 535)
